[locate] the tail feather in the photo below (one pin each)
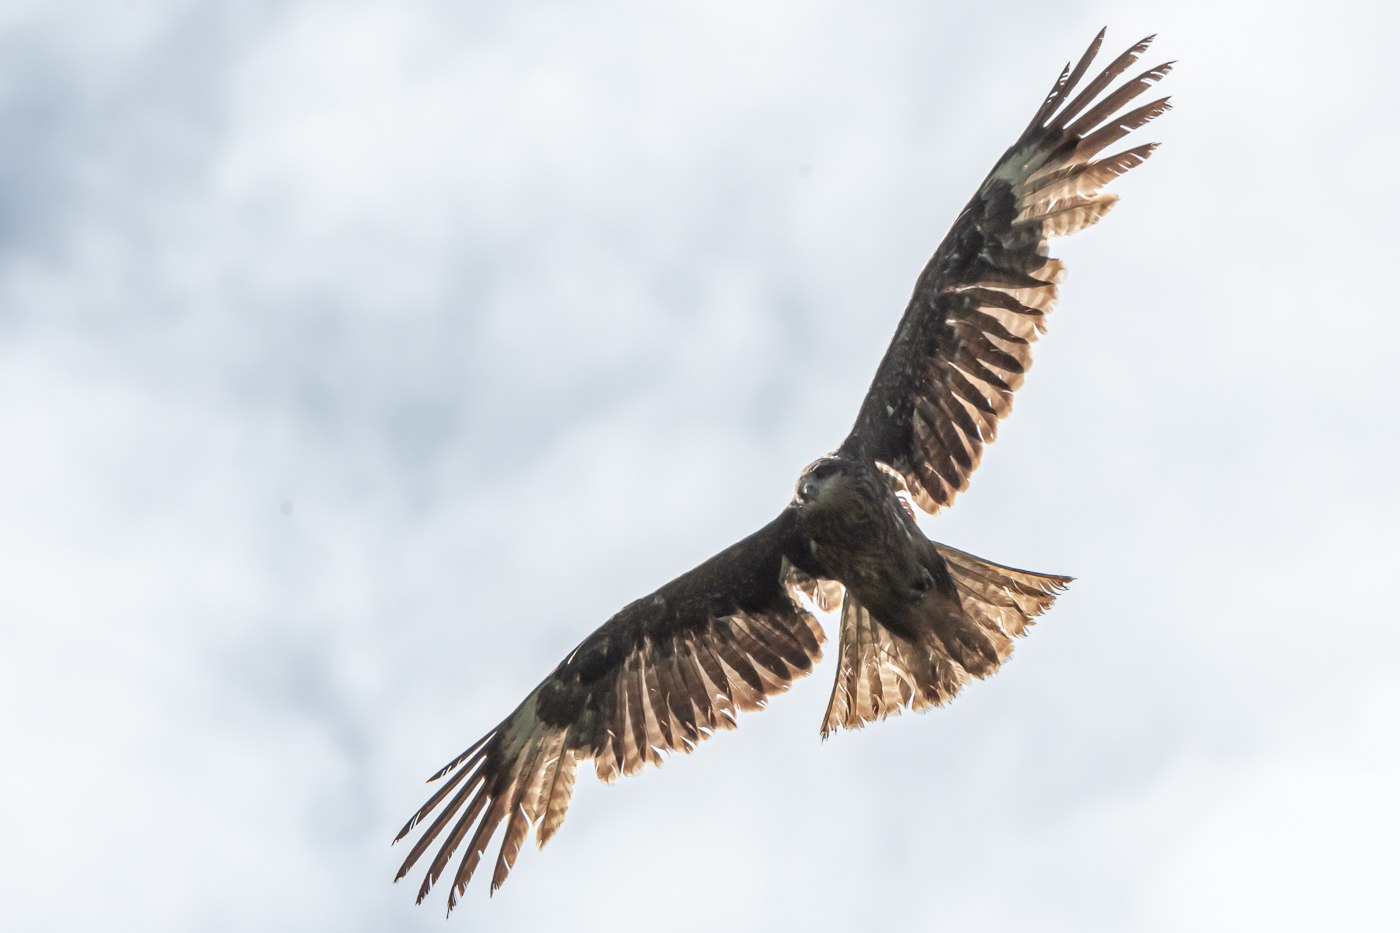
(882, 673)
(999, 596)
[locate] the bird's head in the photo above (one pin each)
(817, 481)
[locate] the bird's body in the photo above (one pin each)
(918, 618)
(855, 530)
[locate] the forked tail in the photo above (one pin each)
(882, 673)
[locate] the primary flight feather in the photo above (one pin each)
(918, 618)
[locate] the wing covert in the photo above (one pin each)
(661, 675)
(964, 343)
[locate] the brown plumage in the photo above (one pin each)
(918, 618)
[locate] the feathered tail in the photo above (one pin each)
(882, 673)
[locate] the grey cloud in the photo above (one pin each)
(526, 309)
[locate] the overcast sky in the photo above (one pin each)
(357, 359)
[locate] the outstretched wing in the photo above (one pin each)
(964, 343)
(663, 674)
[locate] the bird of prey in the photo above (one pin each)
(918, 618)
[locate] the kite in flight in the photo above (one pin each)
(918, 618)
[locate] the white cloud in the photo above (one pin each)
(1300, 839)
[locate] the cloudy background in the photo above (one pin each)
(357, 359)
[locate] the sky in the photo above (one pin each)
(358, 359)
